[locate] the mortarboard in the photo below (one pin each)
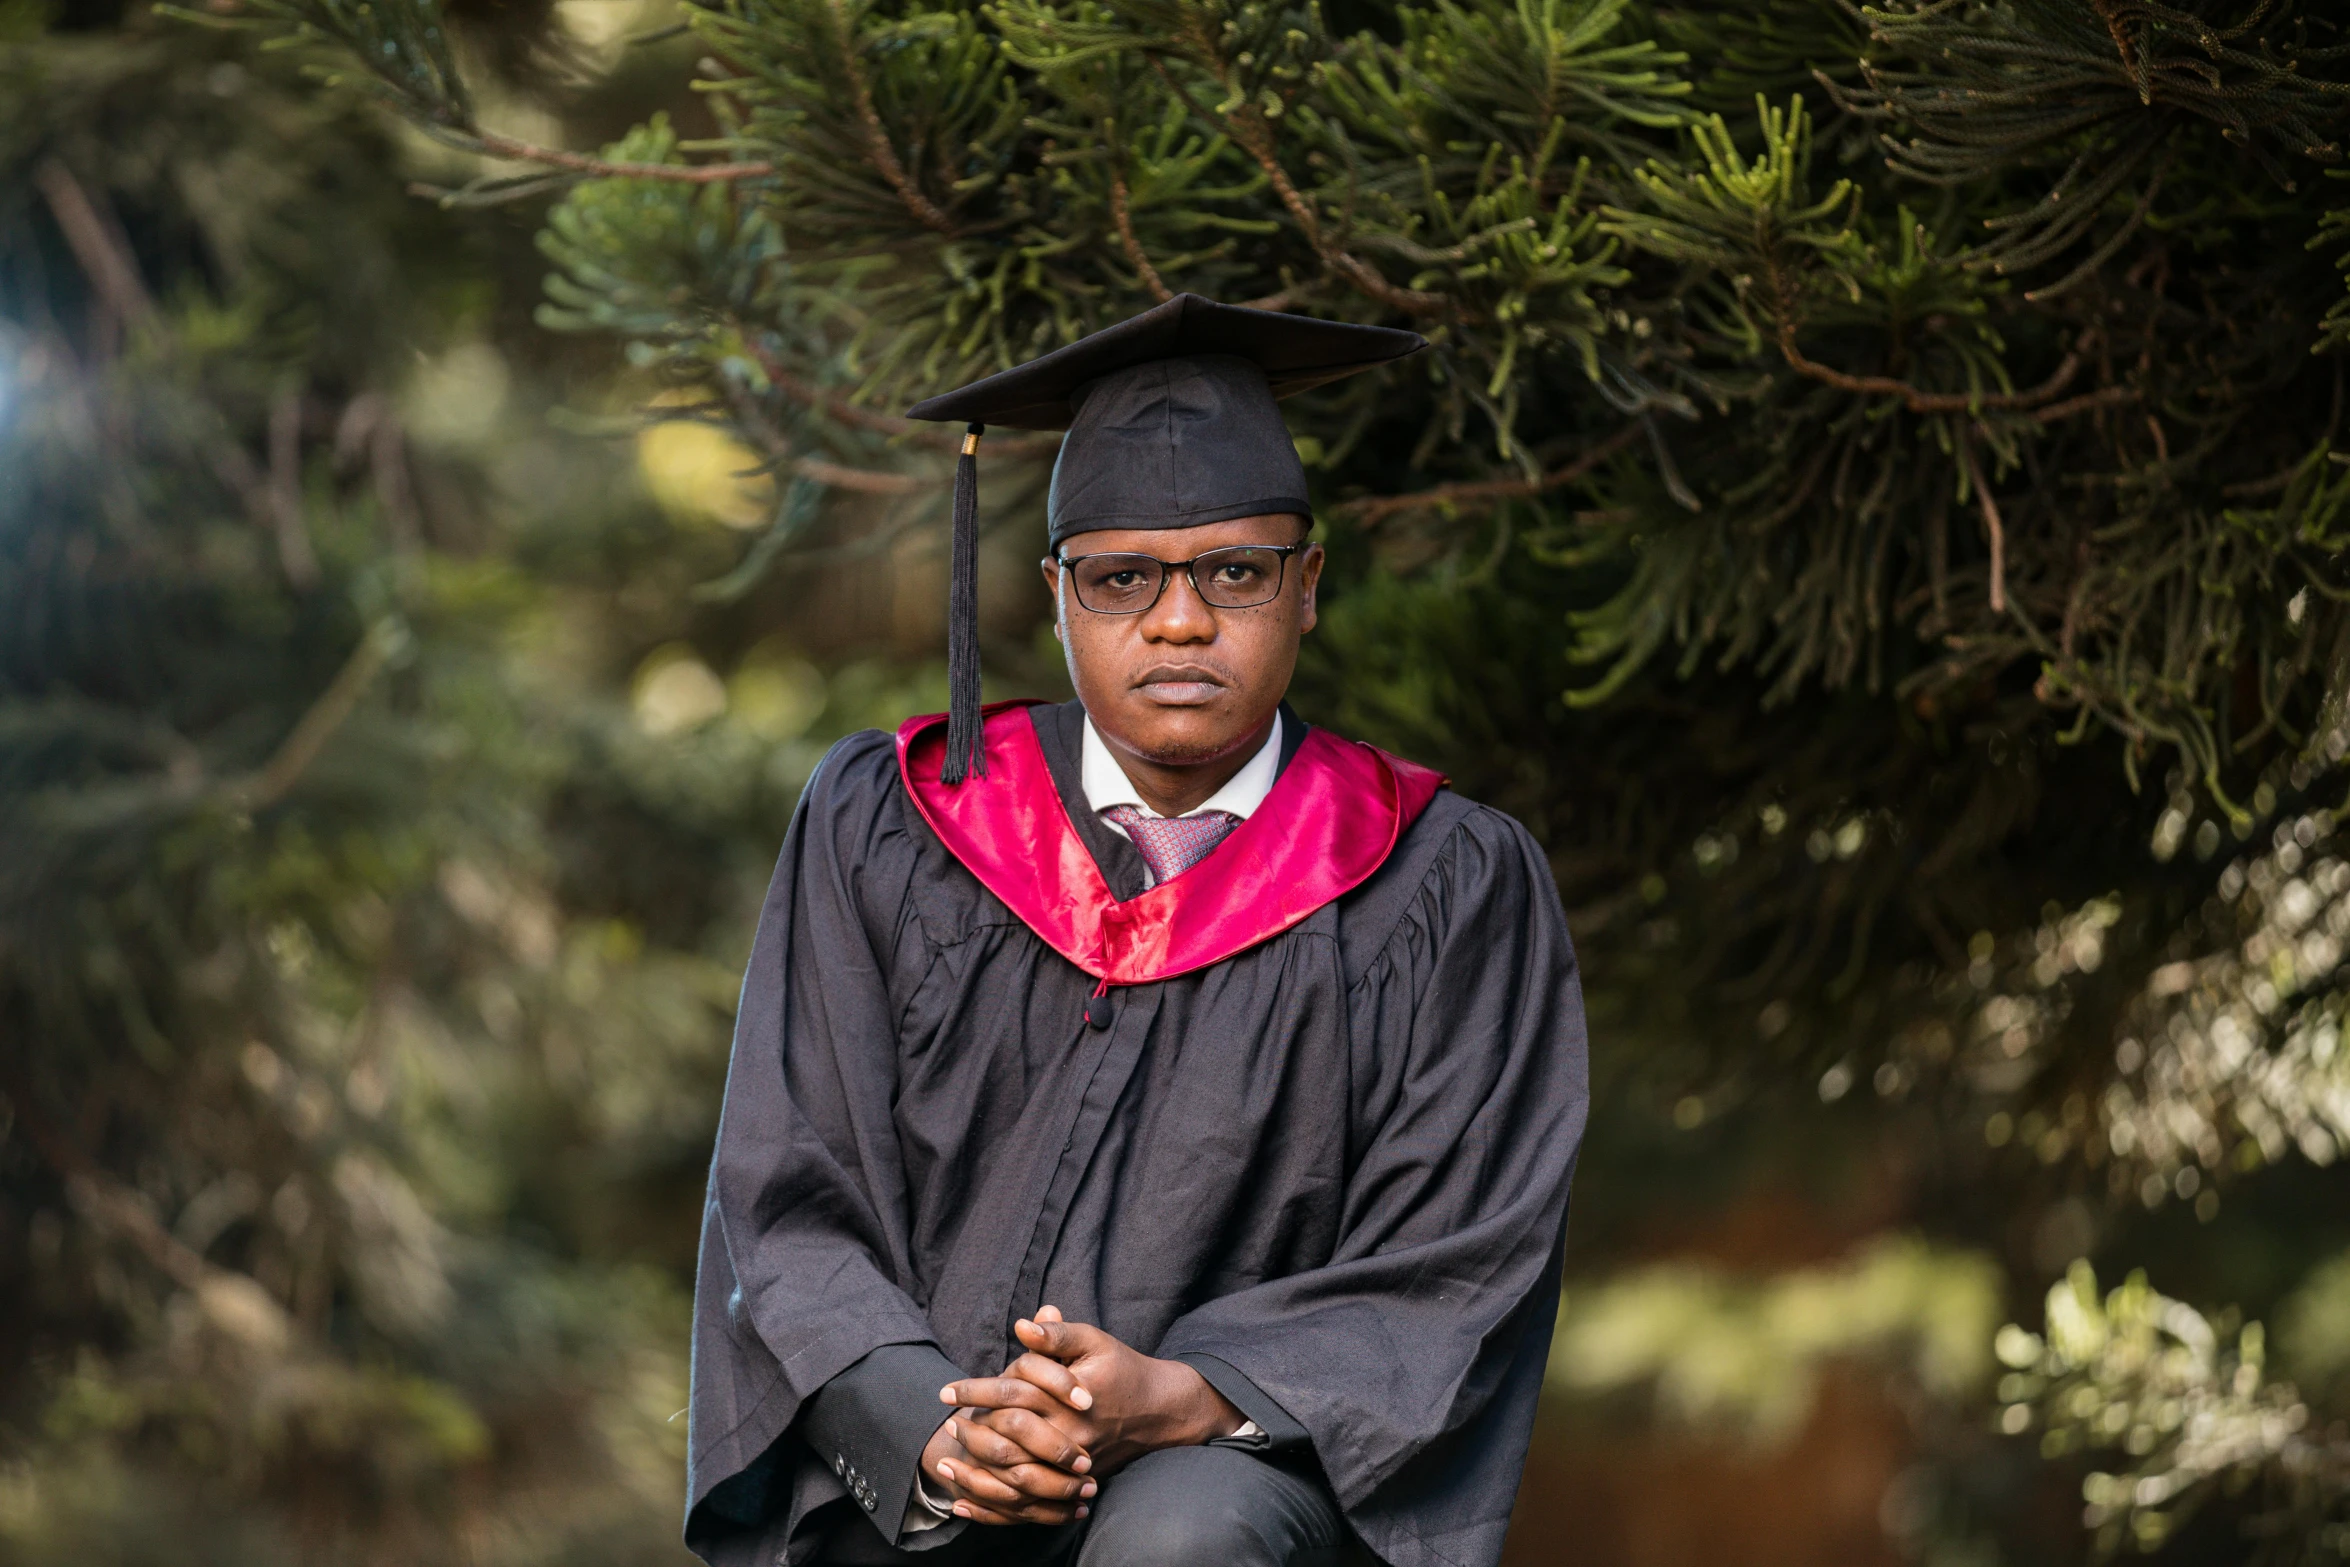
(1171, 423)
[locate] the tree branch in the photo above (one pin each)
(1916, 399)
(1372, 510)
(1991, 521)
(94, 243)
(865, 481)
(99, 249)
(285, 767)
(370, 430)
(273, 503)
(490, 144)
(919, 432)
(1353, 268)
(1121, 215)
(1248, 129)
(809, 395)
(2107, 14)
(1278, 301)
(1920, 401)
(232, 1299)
(295, 556)
(878, 151)
(116, 1206)
(2103, 397)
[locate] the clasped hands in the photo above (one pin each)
(1032, 1445)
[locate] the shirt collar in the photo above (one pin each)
(1106, 783)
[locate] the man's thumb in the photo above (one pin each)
(1046, 1336)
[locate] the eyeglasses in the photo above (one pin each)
(1239, 577)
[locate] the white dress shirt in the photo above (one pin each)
(1106, 784)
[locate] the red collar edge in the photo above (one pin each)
(1010, 829)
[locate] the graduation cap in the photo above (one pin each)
(1171, 423)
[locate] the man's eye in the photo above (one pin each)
(1123, 580)
(1239, 574)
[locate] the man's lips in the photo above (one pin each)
(1185, 685)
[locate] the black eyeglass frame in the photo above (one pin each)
(1168, 568)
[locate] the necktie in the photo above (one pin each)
(1171, 845)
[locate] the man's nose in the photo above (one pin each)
(1180, 615)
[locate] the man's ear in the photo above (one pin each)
(1052, 585)
(1309, 577)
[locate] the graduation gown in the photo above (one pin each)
(1329, 1170)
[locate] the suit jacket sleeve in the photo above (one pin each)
(869, 1425)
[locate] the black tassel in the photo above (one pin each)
(966, 752)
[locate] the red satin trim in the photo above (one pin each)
(1332, 819)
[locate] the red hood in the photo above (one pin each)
(1332, 818)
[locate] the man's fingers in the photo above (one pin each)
(979, 1512)
(988, 1446)
(1044, 1338)
(1040, 1438)
(1014, 1483)
(1043, 1484)
(1063, 1341)
(981, 1483)
(1026, 1511)
(1016, 1489)
(1053, 1377)
(997, 1393)
(1044, 1450)
(1049, 1514)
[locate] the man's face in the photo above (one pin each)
(1184, 682)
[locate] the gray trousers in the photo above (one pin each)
(1178, 1507)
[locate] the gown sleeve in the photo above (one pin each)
(1413, 1358)
(804, 1257)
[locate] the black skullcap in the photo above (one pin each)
(1174, 443)
(1171, 423)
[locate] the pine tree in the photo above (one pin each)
(365, 965)
(1871, 507)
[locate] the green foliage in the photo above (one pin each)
(2337, 320)
(2186, 1400)
(344, 1094)
(410, 57)
(639, 259)
(1725, 1351)
(1873, 506)
(953, 190)
(2100, 89)
(2313, 1327)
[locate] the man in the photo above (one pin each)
(1213, 1082)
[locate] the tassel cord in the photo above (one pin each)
(966, 753)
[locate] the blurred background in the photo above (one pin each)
(430, 569)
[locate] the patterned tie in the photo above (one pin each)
(1171, 845)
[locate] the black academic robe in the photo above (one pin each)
(1330, 1172)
